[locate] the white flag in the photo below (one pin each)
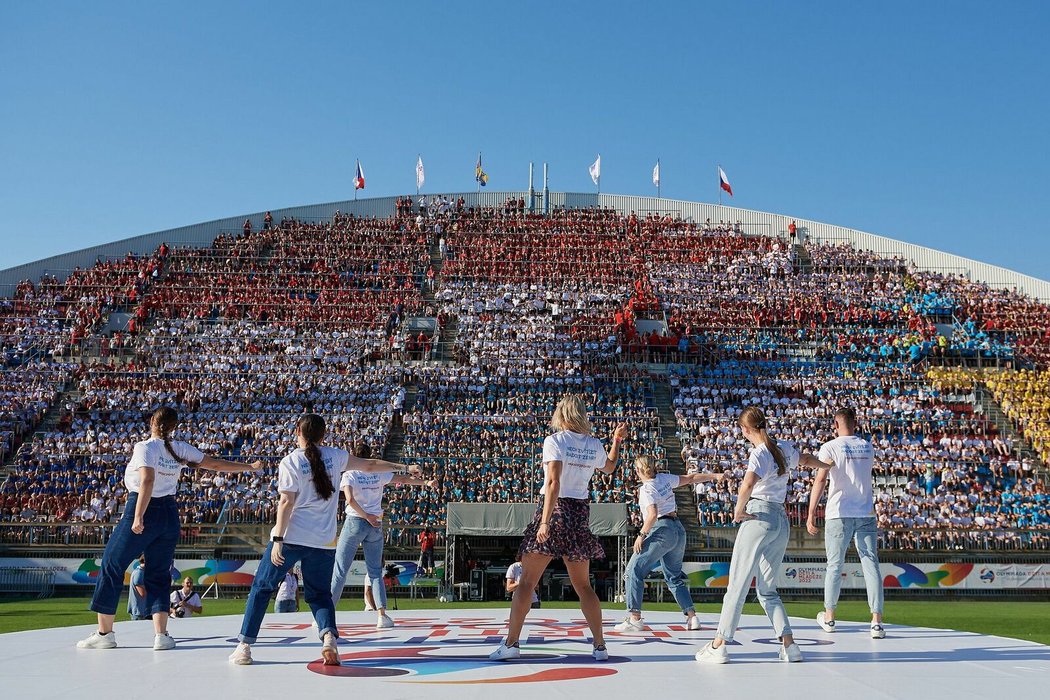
(596, 169)
(419, 173)
(656, 174)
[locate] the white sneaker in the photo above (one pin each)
(242, 655)
(826, 625)
(693, 624)
(505, 653)
(601, 653)
(384, 622)
(711, 655)
(163, 642)
(330, 650)
(97, 640)
(629, 624)
(877, 632)
(791, 654)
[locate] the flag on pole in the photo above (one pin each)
(359, 177)
(480, 175)
(596, 169)
(656, 174)
(420, 179)
(723, 181)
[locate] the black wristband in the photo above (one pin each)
(277, 538)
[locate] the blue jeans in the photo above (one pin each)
(317, 572)
(157, 542)
(358, 531)
(837, 535)
(285, 606)
(666, 545)
(757, 553)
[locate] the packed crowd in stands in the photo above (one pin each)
(245, 334)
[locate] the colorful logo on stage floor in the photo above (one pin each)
(420, 665)
(911, 575)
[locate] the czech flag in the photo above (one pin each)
(359, 178)
(723, 181)
(480, 175)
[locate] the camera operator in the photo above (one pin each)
(185, 602)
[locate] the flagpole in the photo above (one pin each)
(418, 156)
(718, 167)
(355, 180)
(660, 179)
(477, 176)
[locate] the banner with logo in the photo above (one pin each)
(225, 572)
(894, 575)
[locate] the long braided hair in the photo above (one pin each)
(164, 421)
(754, 419)
(312, 428)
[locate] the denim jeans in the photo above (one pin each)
(358, 531)
(757, 553)
(666, 545)
(317, 572)
(157, 542)
(285, 606)
(837, 535)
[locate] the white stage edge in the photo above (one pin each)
(443, 654)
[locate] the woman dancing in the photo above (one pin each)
(305, 533)
(760, 543)
(561, 525)
(150, 526)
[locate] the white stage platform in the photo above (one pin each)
(443, 654)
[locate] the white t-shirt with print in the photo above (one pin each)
(850, 491)
(313, 519)
(772, 486)
(368, 490)
(579, 455)
(659, 491)
(153, 453)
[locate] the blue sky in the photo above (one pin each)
(923, 121)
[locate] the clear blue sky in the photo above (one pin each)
(924, 121)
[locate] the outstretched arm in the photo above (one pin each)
(698, 478)
(614, 452)
(224, 465)
(358, 464)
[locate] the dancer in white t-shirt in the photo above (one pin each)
(660, 541)
(150, 526)
(514, 580)
(561, 525)
(846, 464)
(305, 533)
(761, 541)
(364, 527)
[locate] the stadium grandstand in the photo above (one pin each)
(441, 330)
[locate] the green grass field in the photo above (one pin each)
(1030, 621)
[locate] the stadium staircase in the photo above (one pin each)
(802, 259)
(684, 499)
(395, 442)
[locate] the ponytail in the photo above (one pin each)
(753, 418)
(164, 420)
(312, 428)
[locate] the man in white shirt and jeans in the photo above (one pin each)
(846, 463)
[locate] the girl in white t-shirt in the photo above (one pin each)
(364, 527)
(561, 525)
(305, 533)
(661, 541)
(150, 526)
(761, 541)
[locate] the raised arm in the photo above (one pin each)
(358, 464)
(223, 465)
(614, 452)
(698, 478)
